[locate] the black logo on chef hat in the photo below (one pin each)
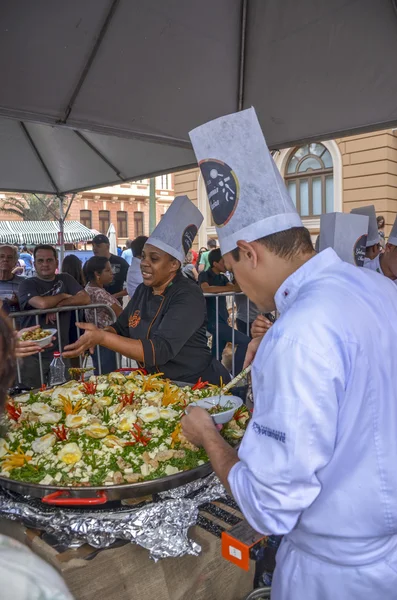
(188, 236)
(359, 250)
(222, 189)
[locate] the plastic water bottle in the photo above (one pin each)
(57, 371)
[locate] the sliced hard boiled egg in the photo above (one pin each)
(43, 443)
(22, 398)
(116, 377)
(50, 417)
(75, 421)
(104, 400)
(127, 421)
(149, 414)
(112, 441)
(96, 430)
(3, 447)
(70, 453)
(168, 413)
(101, 387)
(153, 396)
(116, 408)
(40, 408)
(130, 386)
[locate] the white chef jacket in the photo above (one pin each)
(318, 460)
(374, 265)
(25, 576)
(134, 276)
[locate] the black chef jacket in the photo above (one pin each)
(172, 330)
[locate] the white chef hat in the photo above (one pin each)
(393, 234)
(373, 233)
(247, 195)
(176, 231)
(346, 234)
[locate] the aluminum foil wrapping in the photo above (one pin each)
(160, 526)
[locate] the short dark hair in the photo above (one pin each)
(95, 264)
(214, 256)
(73, 266)
(45, 247)
(128, 243)
(211, 243)
(285, 244)
(138, 244)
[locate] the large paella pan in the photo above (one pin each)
(111, 437)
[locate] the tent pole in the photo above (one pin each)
(152, 205)
(61, 232)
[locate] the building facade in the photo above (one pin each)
(330, 176)
(125, 205)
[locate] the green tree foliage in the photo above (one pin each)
(32, 208)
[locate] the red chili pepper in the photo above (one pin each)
(61, 432)
(43, 388)
(240, 412)
(200, 385)
(89, 388)
(127, 399)
(139, 436)
(13, 411)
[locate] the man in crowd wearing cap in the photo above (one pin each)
(373, 238)
(100, 247)
(317, 462)
(386, 263)
(214, 281)
(204, 264)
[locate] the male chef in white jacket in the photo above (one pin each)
(373, 238)
(318, 461)
(386, 263)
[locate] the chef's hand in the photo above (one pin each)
(260, 326)
(88, 340)
(251, 351)
(196, 424)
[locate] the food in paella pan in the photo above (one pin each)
(112, 429)
(35, 335)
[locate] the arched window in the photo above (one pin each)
(310, 180)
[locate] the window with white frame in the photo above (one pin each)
(309, 177)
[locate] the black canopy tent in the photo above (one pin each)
(97, 92)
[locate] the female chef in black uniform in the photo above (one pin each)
(163, 327)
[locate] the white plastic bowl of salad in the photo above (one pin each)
(221, 408)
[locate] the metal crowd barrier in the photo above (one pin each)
(36, 313)
(123, 361)
(229, 296)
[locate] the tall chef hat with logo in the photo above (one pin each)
(176, 231)
(346, 234)
(246, 193)
(373, 234)
(392, 239)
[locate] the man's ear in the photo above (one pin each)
(248, 253)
